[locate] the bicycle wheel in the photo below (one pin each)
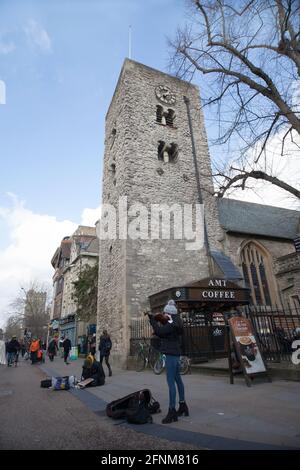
(159, 365)
(184, 365)
(140, 362)
(153, 357)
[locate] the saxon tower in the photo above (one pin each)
(155, 153)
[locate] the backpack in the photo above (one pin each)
(61, 383)
(46, 383)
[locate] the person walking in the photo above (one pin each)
(13, 348)
(2, 350)
(52, 349)
(105, 346)
(170, 329)
(34, 348)
(67, 346)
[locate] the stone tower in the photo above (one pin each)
(151, 158)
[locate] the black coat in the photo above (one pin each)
(95, 372)
(67, 345)
(105, 345)
(170, 334)
(13, 346)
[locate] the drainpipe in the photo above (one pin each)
(200, 198)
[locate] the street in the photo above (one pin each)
(223, 416)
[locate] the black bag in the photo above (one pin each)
(46, 383)
(137, 411)
(154, 406)
(117, 409)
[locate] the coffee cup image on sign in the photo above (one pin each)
(247, 348)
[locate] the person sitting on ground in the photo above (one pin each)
(92, 369)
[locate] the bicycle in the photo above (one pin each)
(145, 355)
(184, 364)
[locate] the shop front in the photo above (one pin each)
(203, 306)
(67, 328)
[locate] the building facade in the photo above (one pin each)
(76, 252)
(156, 153)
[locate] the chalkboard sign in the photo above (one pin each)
(246, 346)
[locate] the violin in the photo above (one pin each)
(161, 318)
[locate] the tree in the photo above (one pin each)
(30, 310)
(249, 53)
(13, 327)
(85, 292)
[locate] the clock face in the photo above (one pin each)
(164, 94)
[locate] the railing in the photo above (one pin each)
(204, 333)
(276, 330)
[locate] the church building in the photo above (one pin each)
(156, 153)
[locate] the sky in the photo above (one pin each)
(59, 64)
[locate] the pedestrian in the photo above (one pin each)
(105, 346)
(93, 345)
(2, 350)
(170, 330)
(23, 349)
(52, 349)
(13, 348)
(67, 345)
(34, 348)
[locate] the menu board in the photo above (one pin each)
(246, 346)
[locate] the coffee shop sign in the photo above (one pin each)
(218, 294)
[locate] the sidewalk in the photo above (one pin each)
(223, 416)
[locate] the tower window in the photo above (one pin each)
(159, 113)
(170, 116)
(165, 117)
(113, 136)
(167, 153)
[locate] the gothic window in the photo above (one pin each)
(167, 153)
(257, 273)
(165, 117)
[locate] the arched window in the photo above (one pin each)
(258, 275)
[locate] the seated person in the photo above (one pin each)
(92, 369)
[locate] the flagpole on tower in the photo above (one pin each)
(129, 42)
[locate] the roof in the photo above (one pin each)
(258, 219)
(228, 268)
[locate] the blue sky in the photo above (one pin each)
(60, 61)
(58, 87)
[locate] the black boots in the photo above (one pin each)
(183, 409)
(171, 416)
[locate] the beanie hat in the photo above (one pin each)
(170, 308)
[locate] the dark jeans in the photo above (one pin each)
(66, 355)
(174, 377)
(33, 356)
(102, 356)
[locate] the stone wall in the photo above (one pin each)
(287, 270)
(131, 270)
